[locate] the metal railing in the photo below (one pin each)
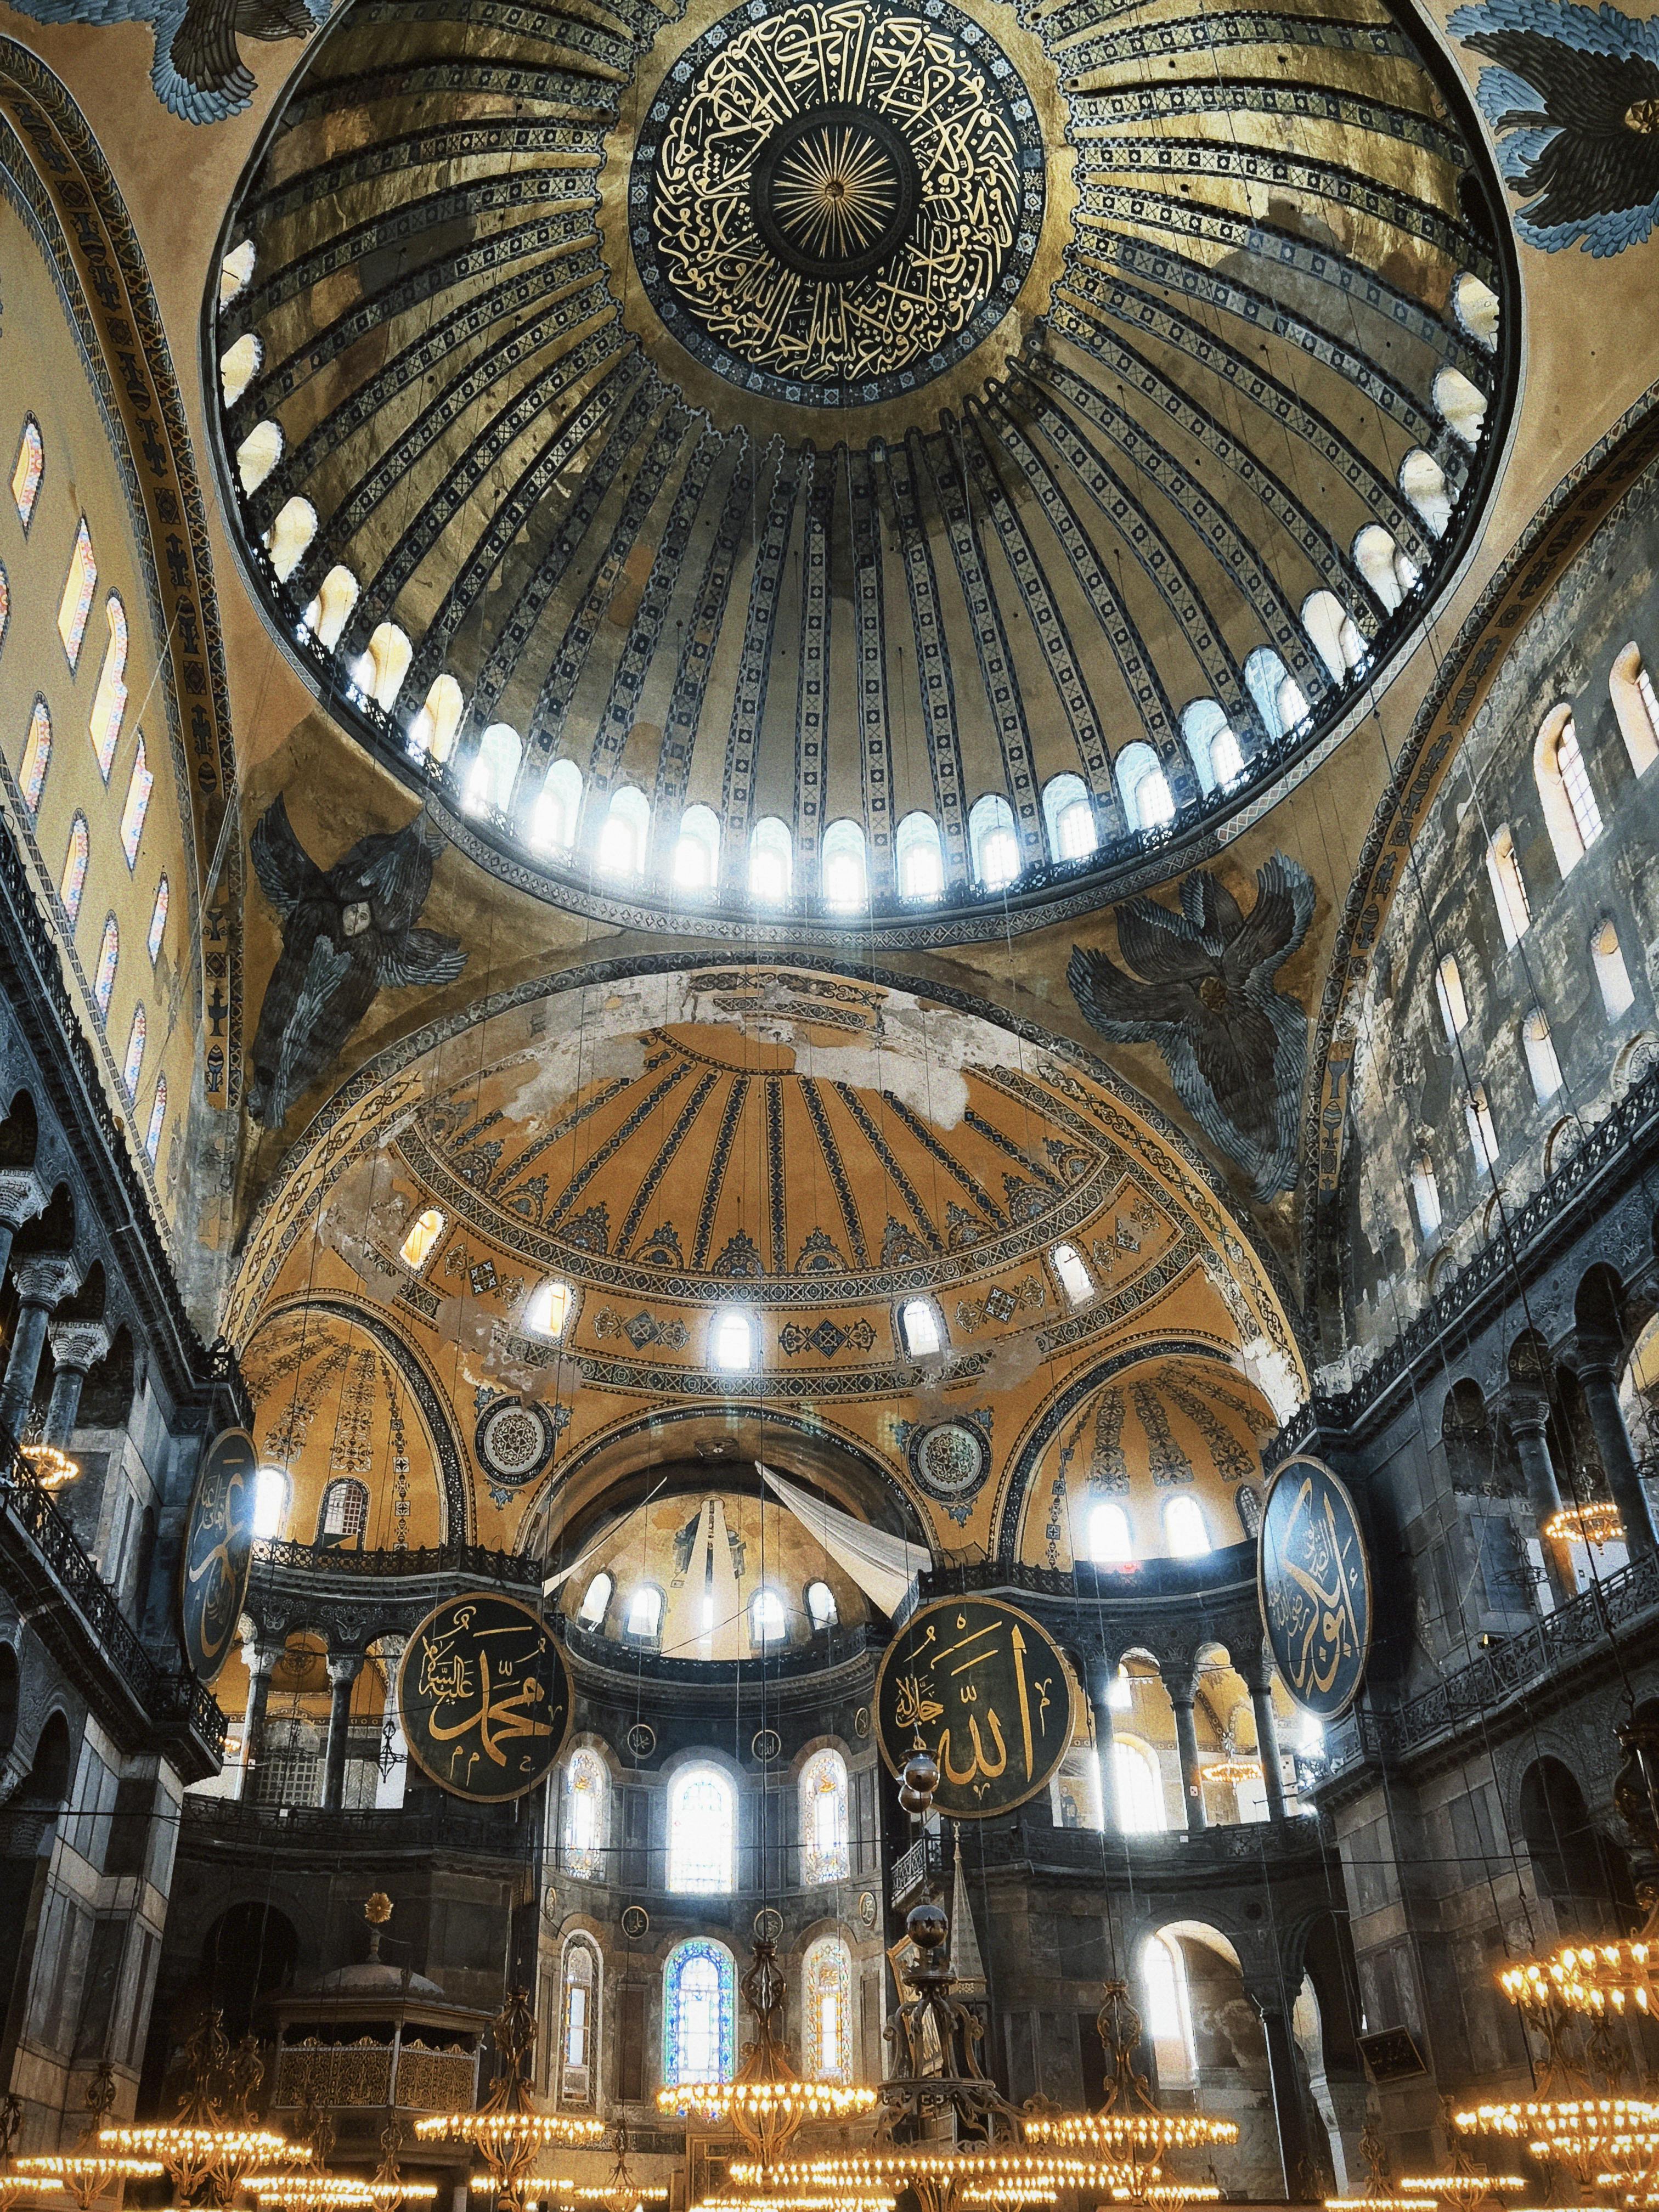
(523, 1570)
(247, 1823)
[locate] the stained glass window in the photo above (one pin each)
(158, 918)
(27, 470)
(824, 1821)
(137, 805)
(109, 951)
(37, 752)
(584, 1815)
(700, 1821)
(698, 1989)
(158, 1113)
(79, 586)
(133, 1065)
(110, 700)
(75, 868)
(578, 2022)
(827, 2009)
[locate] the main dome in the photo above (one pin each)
(833, 464)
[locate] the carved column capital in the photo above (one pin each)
(23, 1196)
(1527, 1412)
(77, 1345)
(45, 1278)
(344, 1666)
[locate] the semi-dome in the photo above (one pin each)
(790, 466)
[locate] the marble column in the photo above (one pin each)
(1192, 1780)
(42, 1282)
(1295, 2149)
(76, 1347)
(1598, 1378)
(1266, 1747)
(1529, 1413)
(343, 1669)
(259, 1659)
(23, 1196)
(1101, 1677)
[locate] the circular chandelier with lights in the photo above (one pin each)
(508, 2131)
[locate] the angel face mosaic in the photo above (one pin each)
(833, 203)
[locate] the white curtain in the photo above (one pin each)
(882, 1566)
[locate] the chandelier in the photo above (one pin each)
(203, 2144)
(1594, 1522)
(52, 1469)
(310, 2191)
(83, 2175)
(1129, 2126)
(508, 2131)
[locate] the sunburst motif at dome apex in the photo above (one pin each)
(832, 202)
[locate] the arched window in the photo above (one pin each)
(844, 868)
(1391, 573)
(1333, 634)
(158, 922)
(626, 834)
(1075, 1279)
(495, 768)
(821, 1607)
(27, 470)
(584, 1814)
(1571, 813)
(73, 882)
(1542, 1064)
(5, 605)
(132, 1066)
(733, 1341)
(78, 587)
(771, 861)
(259, 454)
(579, 1984)
(236, 272)
(558, 810)
(239, 364)
(1483, 1131)
(1461, 405)
(697, 850)
(702, 1832)
(993, 840)
(1210, 741)
(824, 1823)
(1449, 990)
(644, 1612)
(109, 702)
(289, 538)
(158, 1114)
(270, 1494)
(827, 2009)
(434, 724)
(109, 953)
(1425, 1198)
(1137, 1788)
(769, 1621)
(1148, 802)
(920, 1329)
(1423, 483)
(37, 756)
(1278, 697)
(1184, 1528)
(697, 2037)
(1509, 888)
(1634, 702)
(344, 1514)
(1475, 306)
(1611, 976)
(547, 1309)
(140, 784)
(1111, 1540)
(919, 857)
(1168, 2011)
(595, 1598)
(1069, 813)
(423, 1233)
(329, 611)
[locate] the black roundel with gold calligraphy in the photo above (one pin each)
(218, 1550)
(484, 1697)
(986, 1689)
(1314, 1581)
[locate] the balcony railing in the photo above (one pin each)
(520, 1569)
(1221, 1852)
(307, 1829)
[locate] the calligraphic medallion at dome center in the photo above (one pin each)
(218, 1551)
(986, 1690)
(484, 1696)
(832, 204)
(1314, 1582)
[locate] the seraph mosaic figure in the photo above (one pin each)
(199, 72)
(1201, 991)
(348, 931)
(1574, 99)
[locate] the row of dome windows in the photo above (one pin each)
(769, 1610)
(618, 822)
(702, 1823)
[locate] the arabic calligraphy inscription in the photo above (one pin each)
(1313, 1580)
(484, 1697)
(217, 1552)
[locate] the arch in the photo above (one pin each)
(239, 364)
(27, 471)
(76, 605)
(1475, 305)
(1423, 485)
(827, 2009)
(1391, 574)
(1611, 976)
(1538, 1048)
(1483, 1131)
(644, 1618)
(1571, 813)
(236, 272)
(1280, 699)
(37, 756)
(821, 1607)
(581, 1993)
(1461, 405)
(1449, 995)
(250, 1953)
(547, 1309)
(699, 1987)
(9, 1699)
(825, 1825)
(289, 538)
(436, 722)
(625, 834)
(1068, 812)
(701, 1831)
(1186, 1532)
(585, 1784)
(921, 1328)
(919, 857)
(697, 850)
(258, 455)
(558, 810)
(158, 1114)
(329, 611)
(596, 1599)
(844, 868)
(272, 1491)
(771, 861)
(109, 702)
(1211, 739)
(1137, 1788)
(73, 882)
(109, 954)
(1111, 1539)
(1508, 887)
(140, 784)
(1636, 704)
(5, 605)
(1334, 635)
(494, 769)
(992, 842)
(343, 1516)
(769, 1617)
(1574, 1866)
(1148, 801)
(1073, 1272)
(731, 1341)
(422, 1239)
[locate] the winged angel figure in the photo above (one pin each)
(347, 934)
(199, 72)
(1202, 992)
(1574, 99)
